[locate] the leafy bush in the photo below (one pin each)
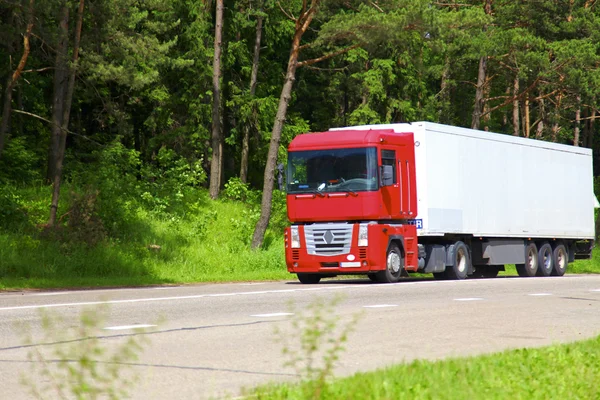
(12, 212)
(19, 163)
(237, 190)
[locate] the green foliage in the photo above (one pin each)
(19, 163)
(237, 190)
(81, 365)
(12, 209)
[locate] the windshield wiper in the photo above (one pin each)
(352, 192)
(317, 192)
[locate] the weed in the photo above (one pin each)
(79, 365)
(314, 346)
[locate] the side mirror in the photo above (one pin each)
(386, 176)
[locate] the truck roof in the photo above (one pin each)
(346, 138)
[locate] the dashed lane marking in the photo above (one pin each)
(126, 327)
(278, 314)
(469, 299)
(381, 306)
(540, 294)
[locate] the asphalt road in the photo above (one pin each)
(212, 340)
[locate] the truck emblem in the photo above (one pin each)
(328, 237)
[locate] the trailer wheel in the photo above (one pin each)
(560, 259)
(309, 278)
(462, 262)
(394, 265)
(545, 260)
(531, 261)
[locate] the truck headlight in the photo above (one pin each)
(363, 235)
(295, 237)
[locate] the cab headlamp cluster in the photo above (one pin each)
(363, 235)
(295, 237)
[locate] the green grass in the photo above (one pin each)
(210, 243)
(200, 241)
(570, 371)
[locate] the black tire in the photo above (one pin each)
(394, 264)
(560, 259)
(309, 279)
(462, 262)
(545, 260)
(531, 261)
(485, 271)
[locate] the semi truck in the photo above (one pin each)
(393, 199)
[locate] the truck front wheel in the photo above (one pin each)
(393, 266)
(309, 278)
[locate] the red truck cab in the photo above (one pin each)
(351, 199)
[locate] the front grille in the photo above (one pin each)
(328, 239)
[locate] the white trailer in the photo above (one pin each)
(511, 199)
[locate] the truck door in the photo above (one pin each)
(390, 191)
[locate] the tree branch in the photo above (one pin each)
(327, 56)
(50, 122)
(290, 16)
(375, 5)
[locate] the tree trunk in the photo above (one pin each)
(481, 79)
(555, 125)
(590, 142)
(443, 94)
(217, 141)
(302, 24)
(253, 82)
(60, 87)
(12, 81)
(526, 116)
(577, 121)
(478, 106)
(516, 106)
(542, 116)
(66, 107)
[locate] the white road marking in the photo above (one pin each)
(595, 290)
(469, 299)
(277, 314)
(151, 299)
(51, 293)
(125, 327)
(381, 306)
(540, 294)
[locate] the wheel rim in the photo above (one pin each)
(531, 259)
(561, 260)
(393, 262)
(547, 260)
(461, 260)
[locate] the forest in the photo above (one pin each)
(116, 111)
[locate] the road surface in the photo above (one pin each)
(213, 340)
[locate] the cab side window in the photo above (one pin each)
(388, 157)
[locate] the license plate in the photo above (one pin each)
(354, 264)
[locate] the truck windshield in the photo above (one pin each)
(332, 170)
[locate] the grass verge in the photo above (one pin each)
(136, 243)
(570, 371)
